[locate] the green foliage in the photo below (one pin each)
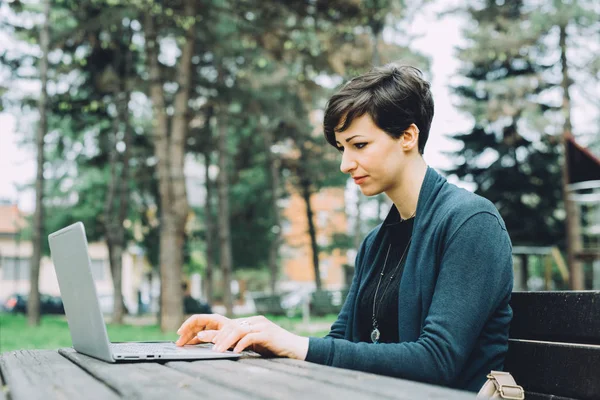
(257, 280)
(340, 241)
(272, 55)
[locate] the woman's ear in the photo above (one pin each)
(411, 138)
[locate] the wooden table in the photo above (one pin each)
(66, 374)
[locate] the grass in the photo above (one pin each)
(53, 332)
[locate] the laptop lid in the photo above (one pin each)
(69, 250)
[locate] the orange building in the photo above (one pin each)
(329, 218)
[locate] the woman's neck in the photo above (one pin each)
(406, 196)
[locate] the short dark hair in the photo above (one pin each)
(395, 96)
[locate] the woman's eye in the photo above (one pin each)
(360, 145)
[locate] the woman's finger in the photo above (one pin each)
(199, 322)
(194, 341)
(196, 323)
(207, 336)
(188, 323)
(225, 342)
(222, 333)
(248, 340)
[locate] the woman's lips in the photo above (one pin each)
(359, 179)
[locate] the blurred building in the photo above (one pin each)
(329, 218)
(15, 263)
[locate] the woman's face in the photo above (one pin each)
(370, 156)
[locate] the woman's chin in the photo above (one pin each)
(369, 192)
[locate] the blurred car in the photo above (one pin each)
(17, 303)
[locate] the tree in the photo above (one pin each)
(169, 145)
(112, 165)
(511, 153)
(33, 301)
(210, 229)
(117, 198)
(581, 15)
(516, 66)
(223, 194)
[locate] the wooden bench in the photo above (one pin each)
(554, 345)
(269, 304)
(324, 302)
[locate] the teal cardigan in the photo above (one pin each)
(453, 303)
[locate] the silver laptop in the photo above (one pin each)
(69, 250)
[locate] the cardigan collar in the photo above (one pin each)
(432, 182)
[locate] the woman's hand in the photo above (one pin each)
(264, 336)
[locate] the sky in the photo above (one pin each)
(438, 39)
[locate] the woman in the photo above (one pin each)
(429, 300)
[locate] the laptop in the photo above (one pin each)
(69, 250)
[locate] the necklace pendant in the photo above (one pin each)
(375, 335)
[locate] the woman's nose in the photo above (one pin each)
(347, 164)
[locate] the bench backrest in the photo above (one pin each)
(554, 344)
(268, 304)
(323, 302)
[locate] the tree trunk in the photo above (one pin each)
(113, 228)
(376, 29)
(306, 193)
(115, 253)
(161, 152)
(573, 243)
(273, 166)
(209, 226)
(118, 187)
(170, 155)
(33, 301)
(223, 222)
(110, 224)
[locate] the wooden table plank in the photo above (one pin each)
(71, 375)
(268, 383)
(150, 380)
(367, 383)
(44, 374)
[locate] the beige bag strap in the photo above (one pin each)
(506, 386)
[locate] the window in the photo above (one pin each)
(323, 240)
(324, 268)
(98, 269)
(286, 227)
(322, 217)
(15, 268)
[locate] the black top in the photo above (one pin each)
(397, 234)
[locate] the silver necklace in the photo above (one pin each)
(375, 334)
